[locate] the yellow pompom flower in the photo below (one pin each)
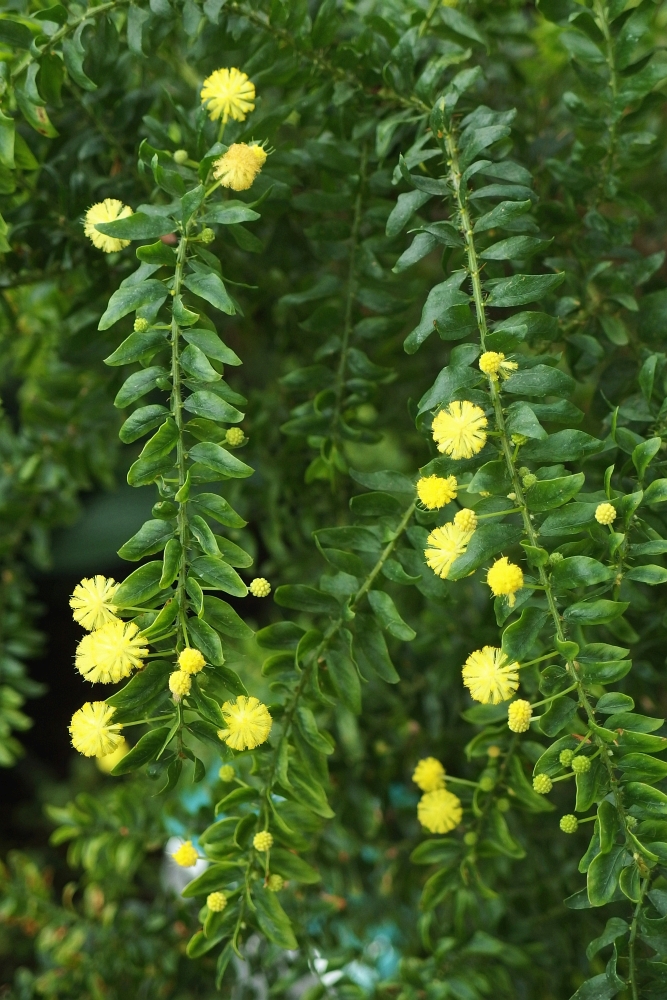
(465, 519)
(110, 653)
(108, 761)
(105, 211)
(239, 166)
(505, 578)
(248, 723)
(228, 93)
(180, 683)
(436, 491)
(275, 883)
(91, 602)
(234, 436)
(493, 364)
(445, 545)
(92, 732)
(429, 774)
(191, 660)
(186, 856)
(260, 587)
(605, 513)
(459, 431)
(519, 714)
(216, 902)
(439, 811)
(489, 676)
(263, 841)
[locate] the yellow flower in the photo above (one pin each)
(110, 653)
(260, 587)
(439, 811)
(180, 683)
(234, 436)
(91, 602)
(216, 902)
(435, 491)
(493, 363)
(489, 676)
(519, 714)
(505, 578)
(465, 519)
(263, 841)
(248, 723)
(105, 211)
(186, 856)
(107, 762)
(429, 775)
(605, 513)
(459, 430)
(446, 544)
(228, 92)
(275, 883)
(92, 732)
(239, 166)
(191, 660)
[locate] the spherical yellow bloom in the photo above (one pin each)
(542, 784)
(239, 166)
(489, 676)
(91, 602)
(105, 211)
(429, 775)
(260, 587)
(275, 883)
(248, 723)
(226, 773)
(446, 544)
(216, 902)
(519, 714)
(186, 856)
(234, 436)
(466, 519)
(228, 93)
(605, 513)
(180, 683)
(439, 811)
(505, 578)
(493, 364)
(263, 841)
(92, 731)
(110, 653)
(191, 660)
(107, 762)
(459, 430)
(436, 491)
(569, 823)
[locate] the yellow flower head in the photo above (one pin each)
(91, 602)
(493, 364)
(234, 435)
(228, 93)
(263, 841)
(439, 811)
(459, 431)
(435, 491)
(180, 683)
(465, 519)
(105, 211)
(248, 723)
(445, 545)
(216, 902)
(260, 587)
(505, 578)
(110, 653)
(429, 775)
(186, 856)
(275, 883)
(191, 660)
(605, 513)
(107, 763)
(239, 166)
(519, 714)
(489, 676)
(92, 731)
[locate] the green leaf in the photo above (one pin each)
(216, 877)
(521, 289)
(616, 928)
(559, 714)
(157, 253)
(151, 537)
(211, 345)
(598, 612)
(546, 494)
(344, 678)
(487, 540)
(436, 852)
(302, 598)
(656, 492)
(405, 207)
(388, 617)
(211, 288)
(214, 572)
(282, 635)
(310, 732)
(136, 346)
(15, 34)
(272, 919)
(599, 987)
(292, 867)
(643, 455)
(138, 227)
(651, 574)
(145, 751)
(514, 248)
(222, 617)
(370, 650)
(137, 385)
(651, 800)
(614, 701)
(196, 363)
(492, 477)
(518, 638)
(440, 298)
(504, 213)
(541, 380)
(218, 508)
(129, 298)
(206, 640)
(139, 586)
(579, 571)
(140, 691)
(564, 446)
(603, 876)
(220, 460)
(230, 213)
(642, 768)
(141, 422)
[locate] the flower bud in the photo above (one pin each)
(569, 823)
(581, 764)
(542, 784)
(180, 156)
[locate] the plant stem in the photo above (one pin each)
(632, 970)
(603, 25)
(177, 411)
